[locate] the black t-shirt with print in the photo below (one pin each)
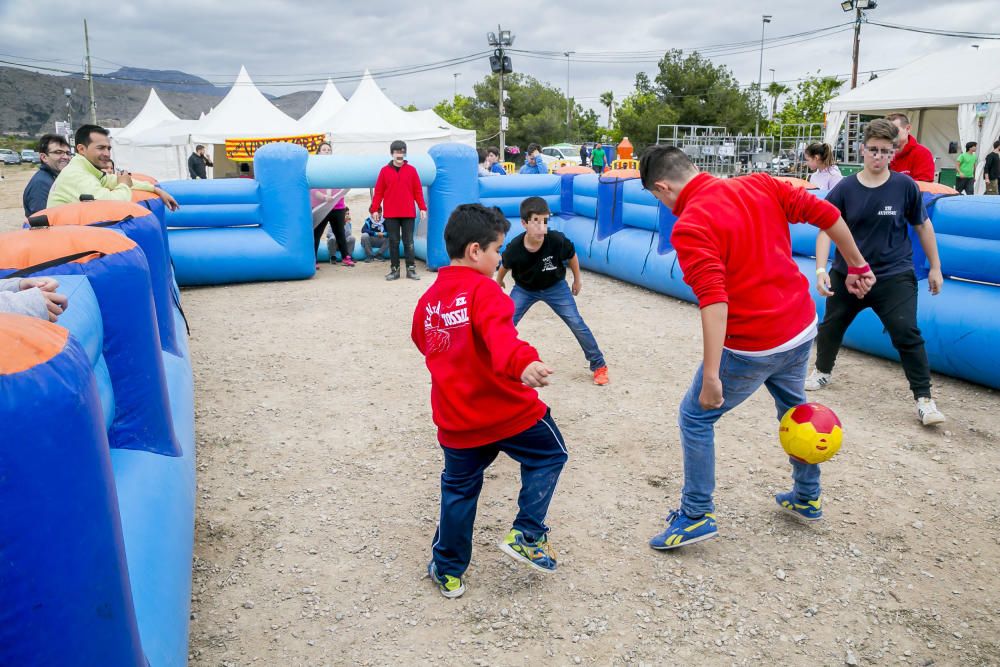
(543, 268)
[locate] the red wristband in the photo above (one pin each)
(858, 270)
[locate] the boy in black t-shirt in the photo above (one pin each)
(538, 259)
(879, 205)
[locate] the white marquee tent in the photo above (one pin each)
(328, 104)
(949, 96)
(160, 159)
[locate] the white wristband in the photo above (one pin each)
(820, 270)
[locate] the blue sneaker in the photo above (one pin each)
(450, 587)
(808, 510)
(683, 530)
(538, 555)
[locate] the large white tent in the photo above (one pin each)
(949, 96)
(328, 104)
(161, 159)
(370, 121)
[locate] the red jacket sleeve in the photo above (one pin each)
(922, 164)
(701, 259)
(418, 191)
(493, 319)
(379, 192)
(800, 205)
(417, 329)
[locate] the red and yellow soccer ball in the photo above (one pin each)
(810, 433)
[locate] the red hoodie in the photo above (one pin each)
(915, 160)
(464, 327)
(734, 247)
(399, 188)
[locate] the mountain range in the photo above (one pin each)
(31, 102)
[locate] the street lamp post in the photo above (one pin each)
(858, 7)
(765, 19)
(456, 75)
(567, 54)
(501, 64)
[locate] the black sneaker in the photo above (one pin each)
(392, 275)
(411, 273)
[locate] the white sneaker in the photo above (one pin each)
(928, 412)
(817, 380)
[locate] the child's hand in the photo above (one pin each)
(536, 374)
(44, 284)
(577, 285)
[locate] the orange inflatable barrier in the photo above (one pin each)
(574, 169)
(89, 212)
(936, 188)
(797, 182)
(28, 247)
(28, 342)
(622, 173)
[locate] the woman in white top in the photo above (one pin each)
(819, 158)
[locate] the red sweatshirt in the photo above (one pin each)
(464, 327)
(398, 188)
(915, 160)
(733, 244)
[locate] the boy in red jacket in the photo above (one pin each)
(397, 187)
(757, 318)
(482, 399)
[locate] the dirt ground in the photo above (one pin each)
(318, 495)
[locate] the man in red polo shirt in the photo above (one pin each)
(912, 158)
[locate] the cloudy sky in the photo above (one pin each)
(286, 46)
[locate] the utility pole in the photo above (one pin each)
(456, 75)
(567, 54)
(500, 64)
(503, 117)
(857, 46)
(90, 75)
(765, 19)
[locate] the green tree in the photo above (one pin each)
(776, 90)
(811, 95)
(608, 100)
(456, 112)
(703, 93)
(588, 125)
(411, 107)
(637, 118)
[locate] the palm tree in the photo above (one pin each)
(776, 90)
(608, 100)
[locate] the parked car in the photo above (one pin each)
(9, 157)
(560, 152)
(30, 156)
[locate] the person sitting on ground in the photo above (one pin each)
(965, 172)
(493, 161)
(84, 174)
(911, 158)
(332, 243)
(36, 297)
(533, 163)
(819, 158)
(374, 240)
(54, 153)
(538, 259)
(197, 162)
(483, 400)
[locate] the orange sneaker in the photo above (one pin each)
(601, 376)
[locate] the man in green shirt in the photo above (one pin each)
(85, 174)
(598, 159)
(965, 178)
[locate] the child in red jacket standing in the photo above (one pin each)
(397, 188)
(757, 318)
(482, 399)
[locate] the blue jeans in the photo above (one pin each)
(560, 299)
(542, 454)
(784, 375)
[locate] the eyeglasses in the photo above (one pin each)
(57, 153)
(880, 152)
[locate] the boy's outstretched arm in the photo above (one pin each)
(493, 318)
(928, 241)
(713, 332)
(501, 276)
(859, 282)
(574, 266)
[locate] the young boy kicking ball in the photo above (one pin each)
(538, 259)
(757, 317)
(483, 401)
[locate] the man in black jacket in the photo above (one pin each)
(53, 150)
(992, 169)
(197, 163)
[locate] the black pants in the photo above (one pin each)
(395, 225)
(894, 300)
(336, 217)
(966, 185)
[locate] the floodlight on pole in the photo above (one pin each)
(858, 7)
(500, 64)
(765, 19)
(491, 37)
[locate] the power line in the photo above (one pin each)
(939, 32)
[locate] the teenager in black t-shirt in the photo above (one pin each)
(538, 259)
(879, 207)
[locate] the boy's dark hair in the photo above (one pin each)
(880, 128)
(969, 145)
(996, 144)
(533, 206)
(901, 117)
(481, 154)
(493, 149)
(199, 147)
(48, 139)
(821, 151)
(473, 223)
(664, 163)
(84, 132)
(397, 145)
(532, 147)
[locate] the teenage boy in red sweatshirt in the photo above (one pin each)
(483, 399)
(757, 318)
(397, 187)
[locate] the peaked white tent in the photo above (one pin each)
(132, 149)
(370, 121)
(328, 104)
(949, 96)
